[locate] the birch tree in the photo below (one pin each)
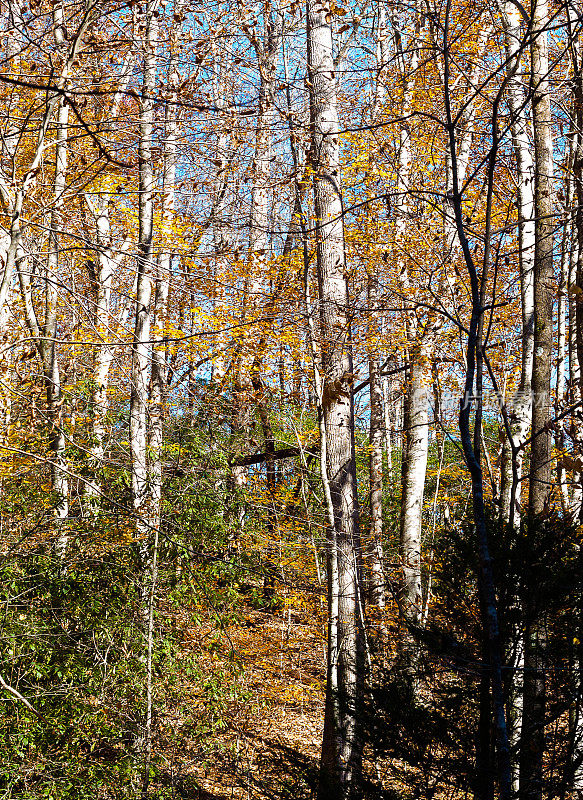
(341, 756)
(141, 352)
(43, 328)
(510, 508)
(110, 255)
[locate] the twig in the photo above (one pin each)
(22, 699)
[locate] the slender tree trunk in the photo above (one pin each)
(578, 173)
(471, 444)
(259, 223)
(510, 507)
(103, 276)
(416, 401)
(378, 399)
(163, 275)
(9, 241)
(107, 264)
(562, 350)
(574, 779)
(382, 57)
(259, 226)
(521, 404)
(144, 512)
(103, 354)
(414, 472)
(220, 203)
(540, 469)
(485, 774)
(376, 578)
(49, 348)
(533, 737)
(159, 374)
(574, 394)
(576, 276)
(340, 764)
(141, 353)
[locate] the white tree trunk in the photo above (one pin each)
(261, 191)
(562, 350)
(521, 404)
(104, 329)
(376, 577)
(141, 353)
(574, 377)
(220, 203)
(159, 348)
(340, 763)
(416, 419)
(50, 328)
(416, 426)
(379, 434)
(143, 506)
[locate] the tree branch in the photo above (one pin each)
(277, 455)
(22, 699)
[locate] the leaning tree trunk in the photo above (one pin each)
(534, 696)
(340, 763)
(102, 275)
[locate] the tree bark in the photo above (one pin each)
(107, 264)
(60, 482)
(141, 351)
(576, 270)
(340, 763)
(143, 507)
(416, 401)
(471, 444)
(376, 577)
(416, 430)
(534, 697)
(512, 452)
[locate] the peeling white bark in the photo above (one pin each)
(340, 762)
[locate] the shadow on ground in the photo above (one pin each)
(280, 772)
(277, 771)
(266, 770)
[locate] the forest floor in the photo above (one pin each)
(268, 741)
